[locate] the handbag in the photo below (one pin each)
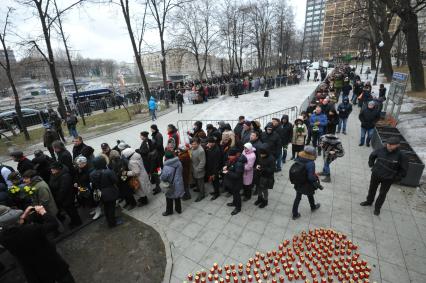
(134, 183)
(97, 194)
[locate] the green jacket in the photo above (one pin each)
(43, 196)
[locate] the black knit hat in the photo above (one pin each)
(56, 165)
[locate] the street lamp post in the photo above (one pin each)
(280, 55)
(381, 44)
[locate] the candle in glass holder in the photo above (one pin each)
(290, 277)
(235, 279)
(243, 279)
(240, 272)
(227, 279)
(203, 280)
(248, 271)
(281, 278)
(210, 277)
(226, 267)
(234, 273)
(249, 278)
(232, 266)
(190, 277)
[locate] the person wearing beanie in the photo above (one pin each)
(198, 162)
(250, 154)
(213, 165)
(388, 165)
(41, 164)
(245, 133)
(62, 187)
(105, 180)
(24, 163)
(213, 132)
(157, 143)
(272, 140)
(28, 242)
(344, 109)
(369, 116)
(305, 181)
(137, 170)
(173, 137)
(64, 156)
(197, 131)
(172, 174)
(82, 182)
(265, 169)
(233, 177)
(332, 149)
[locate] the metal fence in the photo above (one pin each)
(185, 126)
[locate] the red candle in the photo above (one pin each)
(275, 262)
(240, 272)
(340, 277)
(189, 277)
(250, 278)
(291, 270)
(355, 277)
(243, 279)
(323, 280)
(329, 279)
(212, 270)
(274, 280)
(247, 271)
(227, 278)
(303, 275)
(219, 270)
(235, 279)
(296, 276)
(277, 269)
(232, 266)
(216, 277)
(221, 280)
(314, 274)
(281, 279)
(290, 277)
(347, 276)
(228, 272)
(257, 277)
(226, 267)
(234, 273)
(210, 277)
(265, 275)
(255, 271)
(203, 280)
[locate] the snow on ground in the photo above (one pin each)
(254, 104)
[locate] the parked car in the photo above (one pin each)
(31, 117)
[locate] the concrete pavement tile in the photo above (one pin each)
(257, 225)
(179, 224)
(192, 229)
(275, 232)
(266, 244)
(263, 214)
(343, 226)
(416, 277)
(202, 219)
(195, 251)
(242, 252)
(413, 247)
(240, 219)
(207, 236)
(249, 238)
(279, 219)
(393, 273)
(362, 217)
(232, 230)
(216, 224)
(299, 225)
(223, 244)
(182, 267)
(212, 207)
(405, 226)
(389, 250)
(180, 243)
(416, 263)
(212, 256)
(366, 247)
(363, 232)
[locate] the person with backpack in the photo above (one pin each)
(302, 176)
(105, 181)
(332, 148)
(172, 174)
(265, 169)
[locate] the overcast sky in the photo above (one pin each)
(98, 31)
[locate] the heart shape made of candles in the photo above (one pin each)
(316, 256)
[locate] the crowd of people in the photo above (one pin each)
(241, 162)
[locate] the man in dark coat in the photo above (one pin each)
(64, 156)
(311, 182)
(389, 165)
(179, 100)
(157, 142)
(286, 134)
(80, 148)
(344, 109)
(272, 141)
(239, 127)
(24, 163)
(233, 177)
(48, 138)
(145, 148)
(42, 164)
(27, 241)
(213, 132)
(213, 165)
(369, 116)
(61, 184)
(265, 169)
(245, 133)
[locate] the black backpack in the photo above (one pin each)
(298, 174)
(2, 180)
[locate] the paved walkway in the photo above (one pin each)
(393, 243)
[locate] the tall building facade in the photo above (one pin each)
(314, 19)
(339, 29)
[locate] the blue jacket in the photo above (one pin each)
(344, 109)
(322, 119)
(152, 104)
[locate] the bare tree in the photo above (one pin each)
(43, 11)
(160, 12)
(137, 46)
(70, 64)
(407, 11)
(196, 32)
(6, 66)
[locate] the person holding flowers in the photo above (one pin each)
(298, 139)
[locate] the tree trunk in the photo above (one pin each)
(163, 70)
(386, 60)
(414, 60)
(51, 62)
(23, 127)
(373, 55)
(126, 16)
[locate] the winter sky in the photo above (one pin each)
(96, 31)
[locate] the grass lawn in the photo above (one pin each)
(418, 94)
(94, 124)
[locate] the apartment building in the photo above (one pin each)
(314, 19)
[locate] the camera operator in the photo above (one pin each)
(23, 234)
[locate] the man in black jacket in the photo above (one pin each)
(24, 163)
(233, 177)
(368, 117)
(80, 148)
(42, 165)
(286, 135)
(179, 100)
(389, 165)
(239, 127)
(64, 156)
(61, 185)
(27, 241)
(265, 169)
(157, 142)
(213, 132)
(145, 148)
(273, 142)
(213, 163)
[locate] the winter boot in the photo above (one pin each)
(178, 206)
(143, 201)
(258, 201)
(327, 179)
(263, 204)
(169, 207)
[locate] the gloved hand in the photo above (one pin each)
(317, 185)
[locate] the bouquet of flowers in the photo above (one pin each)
(300, 129)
